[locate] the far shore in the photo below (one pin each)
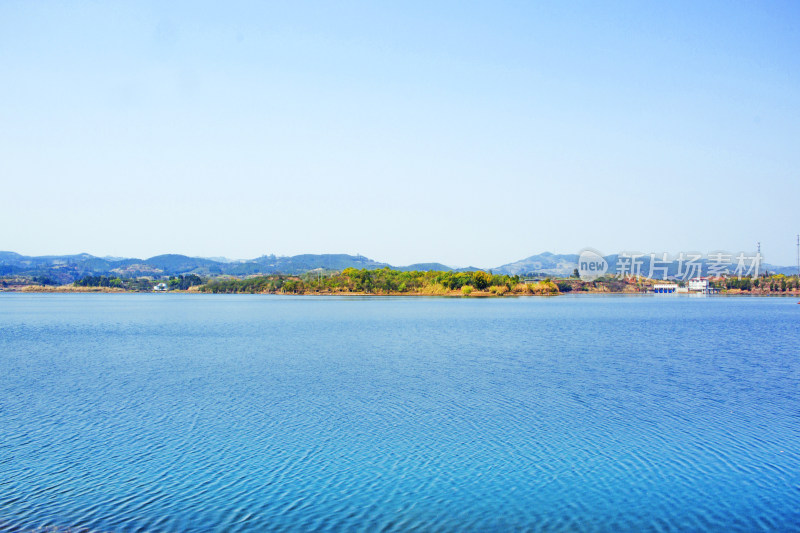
(71, 289)
(66, 289)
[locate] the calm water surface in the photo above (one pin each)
(254, 413)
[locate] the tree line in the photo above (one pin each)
(381, 281)
(139, 284)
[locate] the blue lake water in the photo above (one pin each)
(264, 413)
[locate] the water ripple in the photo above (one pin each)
(280, 414)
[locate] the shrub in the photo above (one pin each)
(434, 289)
(466, 290)
(499, 290)
(543, 288)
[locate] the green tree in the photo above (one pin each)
(481, 279)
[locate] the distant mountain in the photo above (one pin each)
(546, 263)
(565, 264)
(425, 267)
(181, 263)
(10, 257)
(298, 264)
(68, 268)
(786, 271)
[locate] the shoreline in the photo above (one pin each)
(64, 289)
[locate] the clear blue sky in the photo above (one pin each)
(467, 133)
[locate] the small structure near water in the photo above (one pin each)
(665, 288)
(702, 285)
(695, 285)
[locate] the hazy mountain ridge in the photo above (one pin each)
(565, 264)
(546, 263)
(68, 268)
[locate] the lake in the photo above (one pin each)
(180, 412)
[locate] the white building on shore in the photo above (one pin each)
(702, 285)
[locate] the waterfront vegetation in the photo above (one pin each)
(384, 281)
(387, 281)
(139, 284)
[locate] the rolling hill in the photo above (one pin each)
(68, 268)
